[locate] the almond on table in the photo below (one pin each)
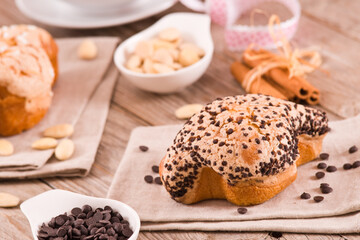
(6, 148)
(59, 131)
(87, 50)
(188, 110)
(65, 149)
(8, 200)
(44, 143)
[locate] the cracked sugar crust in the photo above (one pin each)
(239, 137)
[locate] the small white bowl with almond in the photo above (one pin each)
(168, 56)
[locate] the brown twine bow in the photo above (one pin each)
(297, 62)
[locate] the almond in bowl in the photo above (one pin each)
(165, 53)
(168, 56)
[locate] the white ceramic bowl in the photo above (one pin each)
(47, 205)
(96, 4)
(195, 28)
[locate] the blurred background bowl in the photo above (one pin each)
(195, 28)
(98, 5)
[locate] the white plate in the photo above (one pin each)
(60, 14)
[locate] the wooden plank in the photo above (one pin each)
(13, 222)
(340, 15)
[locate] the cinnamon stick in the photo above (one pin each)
(314, 98)
(239, 71)
(297, 85)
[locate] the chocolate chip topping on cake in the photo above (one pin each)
(239, 137)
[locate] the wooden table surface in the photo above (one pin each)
(332, 25)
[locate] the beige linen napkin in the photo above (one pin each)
(285, 212)
(78, 82)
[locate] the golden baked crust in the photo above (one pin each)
(13, 114)
(242, 148)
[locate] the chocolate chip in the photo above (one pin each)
(155, 169)
(324, 185)
(76, 211)
(305, 195)
(61, 232)
(96, 227)
(318, 198)
(158, 180)
(148, 179)
(326, 190)
(353, 149)
(347, 166)
(127, 232)
(242, 210)
(143, 148)
(59, 220)
(98, 216)
(319, 175)
(86, 209)
(356, 164)
(324, 156)
(276, 234)
(321, 165)
(331, 169)
(230, 131)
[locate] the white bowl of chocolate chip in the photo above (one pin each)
(168, 56)
(59, 213)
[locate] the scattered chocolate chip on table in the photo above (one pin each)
(242, 210)
(305, 195)
(143, 148)
(318, 198)
(324, 156)
(353, 149)
(319, 175)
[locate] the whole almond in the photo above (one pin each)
(44, 143)
(87, 50)
(65, 149)
(148, 66)
(162, 68)
(133, 62)
(193, 47)
(59, 131)
(169, 34)
(187, 111)
(144, 49)
(8, 200)
(188, 57)
(163, 56)
(6, 148)
(158, 44)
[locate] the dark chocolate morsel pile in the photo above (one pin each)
(86, 224)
